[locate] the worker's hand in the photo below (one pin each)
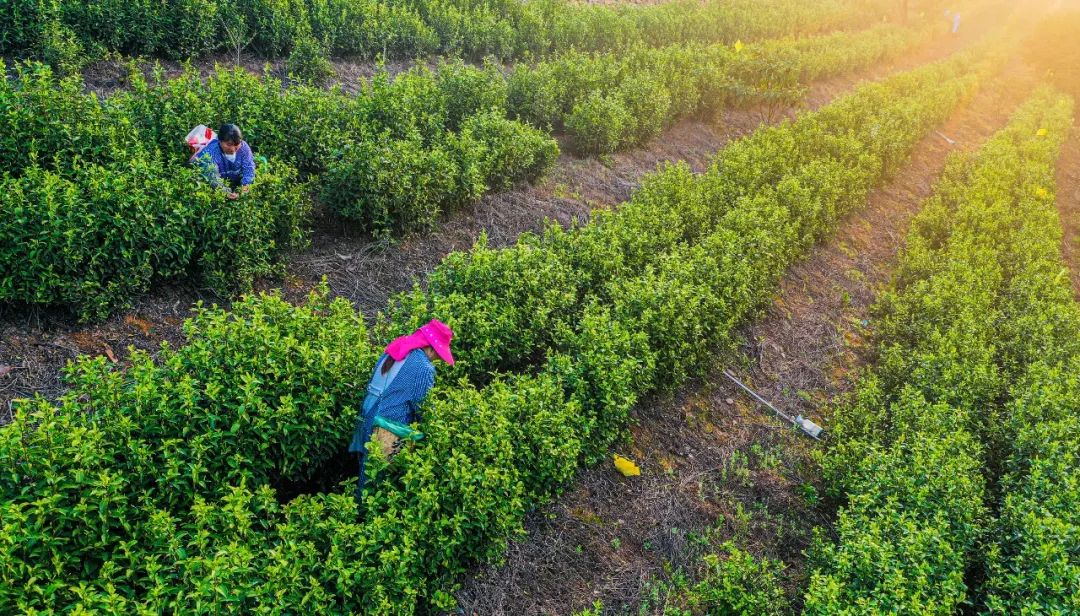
(232, 195)
(245, 189)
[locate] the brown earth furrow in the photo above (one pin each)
(710, 459)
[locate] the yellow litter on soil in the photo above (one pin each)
(626, 466)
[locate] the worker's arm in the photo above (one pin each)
(247, 165)
(205, 163)
(422, 385)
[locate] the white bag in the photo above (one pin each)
(199, 137)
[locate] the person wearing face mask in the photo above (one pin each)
(227, 161)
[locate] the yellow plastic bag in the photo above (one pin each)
(626, 466)
(1041, 132)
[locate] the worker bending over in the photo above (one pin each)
(227, 161)
(400, 382)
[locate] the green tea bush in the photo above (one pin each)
(470, 91)
(455, 499)
(369, 29)
(738, 584)
(391, 186)
(533, 96)
(610, 101)
(275, 25)
(808, 195)
(308, 63)
(507, 300)
(412, 101)
(97, 238)
(666, 210)
(400, 185)
(1034, 565)
(512, 152)
(386, 158)
(648, 104)
(625, 102)
(920, 101)
(655, 302)
(300, 125)
(46, 120)
(23, 24)
(470, 31)
(474, 29)
(125, 200)
(194, 28)
(605, 366)
(131, 27)
(973, 304)
(599, 124)
(915, 515)
(245, 239)
(262, 393)
(60, 47)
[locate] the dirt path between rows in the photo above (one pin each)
(709, 458)
(35, 344)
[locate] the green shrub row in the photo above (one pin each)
(916, 450)
(1033, 563)
(256, 396)
(98, 235)
(1034, 566)
(611, 101)
(46, 119)
(66, 32)
(394, 186)
(587, 320)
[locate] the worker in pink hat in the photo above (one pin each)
(402, 378)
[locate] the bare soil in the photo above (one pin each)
(609, 536)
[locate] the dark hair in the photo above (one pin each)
(230, 133)
(387, 365)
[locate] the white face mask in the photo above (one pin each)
(230, 157)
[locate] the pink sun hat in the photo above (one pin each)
(435, 334)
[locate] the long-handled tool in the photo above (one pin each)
(942, 135)
(808, 427)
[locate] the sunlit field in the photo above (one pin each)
(756, 307)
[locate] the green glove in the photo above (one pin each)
(399, 430)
